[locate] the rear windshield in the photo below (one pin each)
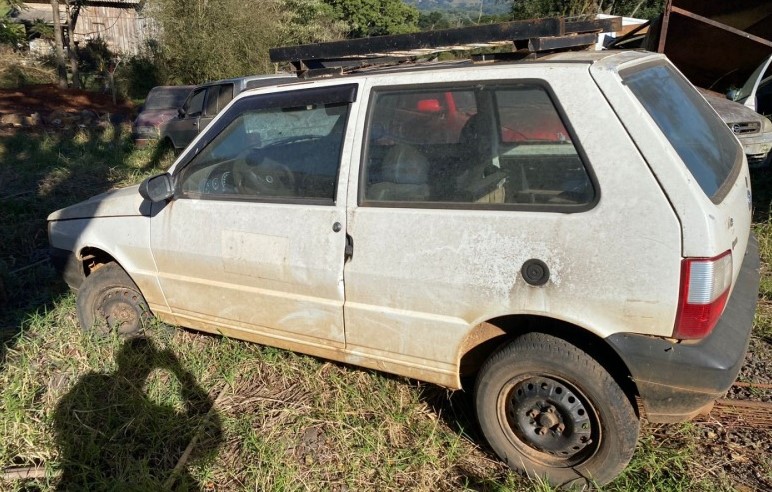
(700, 138)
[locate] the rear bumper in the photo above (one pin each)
(677, 380)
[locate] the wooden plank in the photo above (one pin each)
(663, 29)
(506, 31)
(561, 42)
(611, 24)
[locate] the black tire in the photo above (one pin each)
(550, 410)
(108, 300)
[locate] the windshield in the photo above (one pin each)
(166, 98)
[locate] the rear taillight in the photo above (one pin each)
(705, 285)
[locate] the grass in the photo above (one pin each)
(267, 419)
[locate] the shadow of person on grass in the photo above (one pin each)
(112, 436)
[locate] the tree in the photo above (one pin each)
(10, 32)
(376, 17)
(61, 67)
(527, 9)
(72, 7)
(212, 39)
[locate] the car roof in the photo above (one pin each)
(248, 78)
(610, 60)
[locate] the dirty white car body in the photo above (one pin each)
(421, 289)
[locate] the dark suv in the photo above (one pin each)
(205, 101)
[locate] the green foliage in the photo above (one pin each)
(95, 56)
(15, 71)
(527, 9)
(376, 17)
(140, 73)
(41, 30)
(309, 21)
(214, 39)
(10, 32)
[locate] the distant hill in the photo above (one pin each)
(489, 7)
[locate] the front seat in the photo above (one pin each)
(404, 176)
(481, 180)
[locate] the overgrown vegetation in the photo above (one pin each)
(526, 9)
(265, 419)
(16, 71)
(278, 420)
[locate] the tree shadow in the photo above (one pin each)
(456, 410)
(112, 436)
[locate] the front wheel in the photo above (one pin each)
(108, 300)
(548, 409)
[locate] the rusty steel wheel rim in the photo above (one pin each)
(549, 420)
(120, 310)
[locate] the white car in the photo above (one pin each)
(572, 231)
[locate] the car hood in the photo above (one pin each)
(730, 111)
(155, 117)
(123, 202)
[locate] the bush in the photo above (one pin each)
(17, 70)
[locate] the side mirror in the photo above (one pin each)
(733, 94)
(180, 112)
(157, 188)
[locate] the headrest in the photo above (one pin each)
(405, 165)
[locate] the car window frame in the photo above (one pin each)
(210, 101)
(471, 206)
(192, 96)
(342, 93)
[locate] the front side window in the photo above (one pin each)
(503, 144)
(195, 104)
(274, 153)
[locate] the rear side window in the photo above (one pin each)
(700, 138)
(471, 146)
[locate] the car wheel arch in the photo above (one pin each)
(92, 258)
(486, 338)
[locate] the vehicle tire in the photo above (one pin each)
(108, 301)
(550, 410)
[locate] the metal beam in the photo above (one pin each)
(446, 38)
(561, 42)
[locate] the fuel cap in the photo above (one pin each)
(535, 272)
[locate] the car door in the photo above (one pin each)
(442, 228)
(253, 240)
(184, 128)
(755, 93)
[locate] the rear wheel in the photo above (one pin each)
(550, 410)
(109, 301)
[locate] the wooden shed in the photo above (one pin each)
(120, 23)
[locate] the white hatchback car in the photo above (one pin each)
(572, 231)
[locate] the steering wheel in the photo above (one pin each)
(269, 178)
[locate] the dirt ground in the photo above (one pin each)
(47, 100)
